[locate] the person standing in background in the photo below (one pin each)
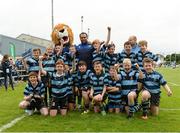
(7, 71)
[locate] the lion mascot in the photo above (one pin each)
(64, 32)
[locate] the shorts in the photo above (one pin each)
(155, 99)
(124, 98)
(112, 105)
(59, 102)
(36, 103)
(71, 98)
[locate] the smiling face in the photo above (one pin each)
(112, 71)
(96, 43)
(36, 54)
(127, 64)
(33, 80)
(57, 48)
(111, 50)
(83, 37)
(60, 68)
(127, 48)
(49, 50)
(82, 68)
(148, 67)
(98, 68)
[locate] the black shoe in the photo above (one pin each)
(130, 115)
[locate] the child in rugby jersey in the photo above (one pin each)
(32, 63)
(113, 87)
(60, 83)
(57, 55)
(48, 64)
(70, 59)
(82, 82)
(98, 88)
(127, 53)
(151, 89)
(144, 53)
(34, 96)
(129, 84)
(97, 46)
(109, 58)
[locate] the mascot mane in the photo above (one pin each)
(62, 31)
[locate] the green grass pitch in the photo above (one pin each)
(167, 121)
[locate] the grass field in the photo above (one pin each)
(167, 121)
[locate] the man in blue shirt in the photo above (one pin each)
(135, 47)
(85, 50)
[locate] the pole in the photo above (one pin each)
(82, 23)
(52, 13)
(88, 32)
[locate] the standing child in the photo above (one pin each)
(48, 64)
(34, 96)
(98, 88)
(127, 53)
(97, 46)
(7, 71)
(151, 89)
(109, 58)
(32, 63)
(113, 87)
(144, 53)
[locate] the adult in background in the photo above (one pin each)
(85, 50)
(7, 71)
(135, 47)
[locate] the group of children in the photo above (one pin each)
(113, 85)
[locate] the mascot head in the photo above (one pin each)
(62, 31)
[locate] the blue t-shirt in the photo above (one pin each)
(135, 49)
(85, 53)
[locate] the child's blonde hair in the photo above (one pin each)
(126, 60)
(143, 43)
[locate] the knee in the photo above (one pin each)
(131, 96)
(145, 95)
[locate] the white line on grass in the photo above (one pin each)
(12, 123)
(173, 84)
(168, 109)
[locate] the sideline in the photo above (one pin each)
(12, 123)
(173, 84)
(168, 109)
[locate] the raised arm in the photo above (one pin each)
(41, 67)
(108, 36)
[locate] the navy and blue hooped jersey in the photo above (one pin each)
(38, 90)
(114, 97)
(153, 81)
(109, 60)
(83, 79)
(97, 56)
(33, 65)
(132, 56)
(58, 57)
(70, 84)
(48, 64)
(97, 83)
(129, 80)
(147, 54)
(59, 84)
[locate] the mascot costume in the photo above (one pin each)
(62, 31)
